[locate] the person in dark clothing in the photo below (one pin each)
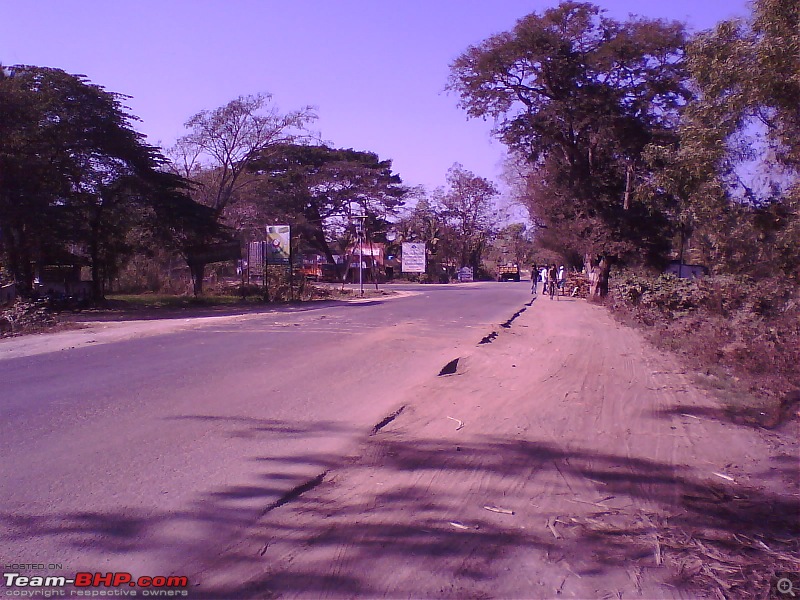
(552, 278)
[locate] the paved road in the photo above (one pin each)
(148, 455)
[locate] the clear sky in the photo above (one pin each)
(375, 70)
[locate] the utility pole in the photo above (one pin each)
(360, 232)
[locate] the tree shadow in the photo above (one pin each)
(765, 416)
(248, 427)
(681, 516)
(123, 313)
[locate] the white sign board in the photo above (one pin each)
(413, 257)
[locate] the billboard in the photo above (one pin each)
(278, 244)
(413, 257)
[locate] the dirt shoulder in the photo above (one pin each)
(566, 458)
(120, 322)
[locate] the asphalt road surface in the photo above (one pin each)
(149, 455)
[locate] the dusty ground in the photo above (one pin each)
(566, 458)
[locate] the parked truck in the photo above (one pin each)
(508, 272)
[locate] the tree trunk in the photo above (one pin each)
(322, 244)
(97, 284)
(602, 283)
(97, 277)
(20, 261)
(198, 271)
(589, 268)
(587, 264)
(598, 276)
(626, 203)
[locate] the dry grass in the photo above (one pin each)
(712, 560)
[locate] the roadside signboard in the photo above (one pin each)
(465, 274)
(413, 257)
(255, 257)
(278, 244)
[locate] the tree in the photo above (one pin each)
(319, 190)
(221, 145)
(74, 174)
(512, 244)
(731, 180)
(580, 96)
(27, 183)
(426, 223)
(468, 205)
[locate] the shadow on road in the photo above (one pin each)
(252, 426)
(767, 416)
(714, 535)
(197, 312)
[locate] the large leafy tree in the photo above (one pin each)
(427, 223)
(734, 173)
(319, 190)
(512, 243)
(467, 205)
(27, 183)
(221, 146)
(579, 96)
(74, 174)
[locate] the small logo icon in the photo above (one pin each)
(785, 587)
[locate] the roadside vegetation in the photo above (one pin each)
(742, 337)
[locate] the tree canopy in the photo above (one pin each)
(222, 143)
(579, 96)
(320, 189)
(75, 176)
(730, 179)
(467, 205)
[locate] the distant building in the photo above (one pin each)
(62, 273)
(372, 263)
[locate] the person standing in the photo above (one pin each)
(534, 279)
(552, 279)
(543, 277)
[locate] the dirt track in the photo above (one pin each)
(566, 458)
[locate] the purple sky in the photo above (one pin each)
(375, 70)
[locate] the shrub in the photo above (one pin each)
(752, 329)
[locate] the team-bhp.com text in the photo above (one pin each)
(86, 584)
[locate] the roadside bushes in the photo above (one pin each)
(152, 274)
(25, 317)
(750, 328)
